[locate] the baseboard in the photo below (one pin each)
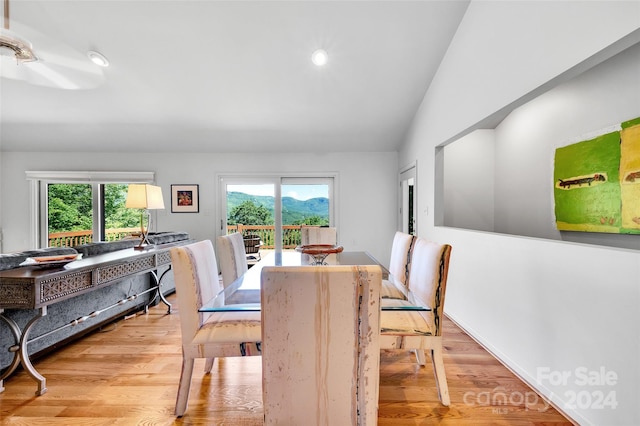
(508, 367)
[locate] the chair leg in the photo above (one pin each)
(421, 357)
(441, 378)
(209, 365)
(183, 387)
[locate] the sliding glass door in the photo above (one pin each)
(274, 207)
(250, 210)
(305, 201)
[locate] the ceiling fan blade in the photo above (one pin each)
(58, 65)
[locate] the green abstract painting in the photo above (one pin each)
(597, 183)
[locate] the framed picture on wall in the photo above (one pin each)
(185, 199)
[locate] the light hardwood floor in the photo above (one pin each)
(127, 374)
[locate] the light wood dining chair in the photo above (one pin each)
(320, 359)
(399, 266)
(206, 334)
(318, 235)
(232, 256)
(422, 330)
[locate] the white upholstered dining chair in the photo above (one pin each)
(320, 331)
(206, 335)
(318, 235)
(399, 266)
(422, 330)
(232, 256)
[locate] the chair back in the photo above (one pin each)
(232, 256)
(400, 262)
(318, 235)
(196, 276)
(321, 350)
(428, 278)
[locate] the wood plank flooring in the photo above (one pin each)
(127, 374)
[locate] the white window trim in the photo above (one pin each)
(38, 178)
(88, 176)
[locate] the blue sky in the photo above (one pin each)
(299, 192)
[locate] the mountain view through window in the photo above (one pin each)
(255, 205)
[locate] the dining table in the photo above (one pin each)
(244, 293)
(300, 336)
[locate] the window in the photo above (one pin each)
(72, 208)
(69, 219)
(274, 207)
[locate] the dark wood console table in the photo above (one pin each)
(32, 288)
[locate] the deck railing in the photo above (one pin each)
(75, 238)
(290, 234)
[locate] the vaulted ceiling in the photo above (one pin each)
(221, 76)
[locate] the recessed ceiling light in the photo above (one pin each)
(320, 57)
(98, 58)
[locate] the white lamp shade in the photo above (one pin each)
(144, 196)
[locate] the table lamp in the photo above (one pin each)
(146, 197)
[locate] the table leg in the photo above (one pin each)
(24, 353)
(21, 353)
(15, 330)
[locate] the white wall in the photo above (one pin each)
(538, 304)
(589, 105)
(469, 173)
(519, 154)
(366, 181)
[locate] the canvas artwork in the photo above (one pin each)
(597, 183)
(630, 176)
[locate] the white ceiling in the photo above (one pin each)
(221, 76)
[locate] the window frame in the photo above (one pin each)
(277, 179)
(38, 181)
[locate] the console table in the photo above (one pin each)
(32, 288)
